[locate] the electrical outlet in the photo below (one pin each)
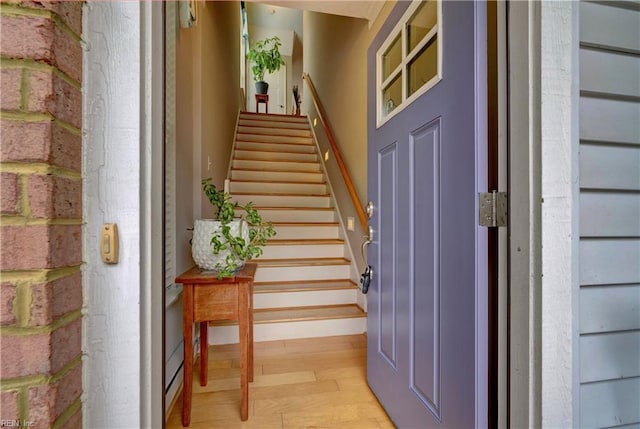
(351, 224)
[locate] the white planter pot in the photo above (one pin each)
(202, 249)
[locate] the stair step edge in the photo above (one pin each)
(311, 313)
(303, 262)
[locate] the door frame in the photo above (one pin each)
(122, 148)
(543, 131)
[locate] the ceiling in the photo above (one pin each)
(368, 10)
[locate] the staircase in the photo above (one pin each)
(303, 286)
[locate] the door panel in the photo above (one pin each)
(427, 301)
(424, 147)
(387, 184)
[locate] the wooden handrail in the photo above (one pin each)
(336, 153)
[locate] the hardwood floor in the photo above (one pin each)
(308, 383)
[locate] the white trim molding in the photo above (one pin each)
(543, 136)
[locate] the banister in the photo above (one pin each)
(336, 153)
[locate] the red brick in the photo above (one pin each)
(41, 406)
(25, 355)
(68, 54)
(40, 246)
(53, 299)
(66, 345)
(27, 37)
(70, 12)
(9, 193)
(54, 197)
(10, 94)
(66, 148)
(24, 141)
(7, 295)
(40, 142)
(9, 402)
(41, 93)
(41, 39)
(50, 94)
(48, 402)
(68, 106)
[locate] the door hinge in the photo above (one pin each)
(493, 208)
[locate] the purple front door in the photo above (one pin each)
(427, 305)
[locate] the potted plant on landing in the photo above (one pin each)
(225, 243)
(265, 56)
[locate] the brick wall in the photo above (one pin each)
(40, 213)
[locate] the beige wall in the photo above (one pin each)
(207, 104)
(335, 56)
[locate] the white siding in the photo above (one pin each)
(609, 309)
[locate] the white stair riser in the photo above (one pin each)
(277, 165)
(275, 156)
(275, 124)
(301, 148)
(298, 215)
(303, 251)
(274, 139)
(306, 298)
(283, 200)
(309, 232)
(285, 331)
(274, 130)
(298, 273)
(278, 176)
(284, 188)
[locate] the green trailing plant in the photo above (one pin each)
(239, 249)
(265, 56)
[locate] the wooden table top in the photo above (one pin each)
(195, 275)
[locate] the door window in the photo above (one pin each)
(409, 61)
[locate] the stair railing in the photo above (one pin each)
(362, 217)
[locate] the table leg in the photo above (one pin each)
(243, 326)
(187, 332)
(251, 369)
(204, 353)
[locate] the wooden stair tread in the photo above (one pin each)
(255, 134)
(239, 139)
(307, 313)
(278, 194)
(275, 170)
(274, 125)
(292, 182)
(288, 152)
(305, 241)
(303, 286)
(297, 314)
(280, 138)
(293, 208)
(236, 158)
(305, 223)
(300, 262)
(266, 116)
(264, 130)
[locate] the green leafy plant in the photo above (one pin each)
(265, 55)
(239, 249)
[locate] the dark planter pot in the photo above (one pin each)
(262, 87)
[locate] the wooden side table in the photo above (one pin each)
(208, 299)
(262, 98)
